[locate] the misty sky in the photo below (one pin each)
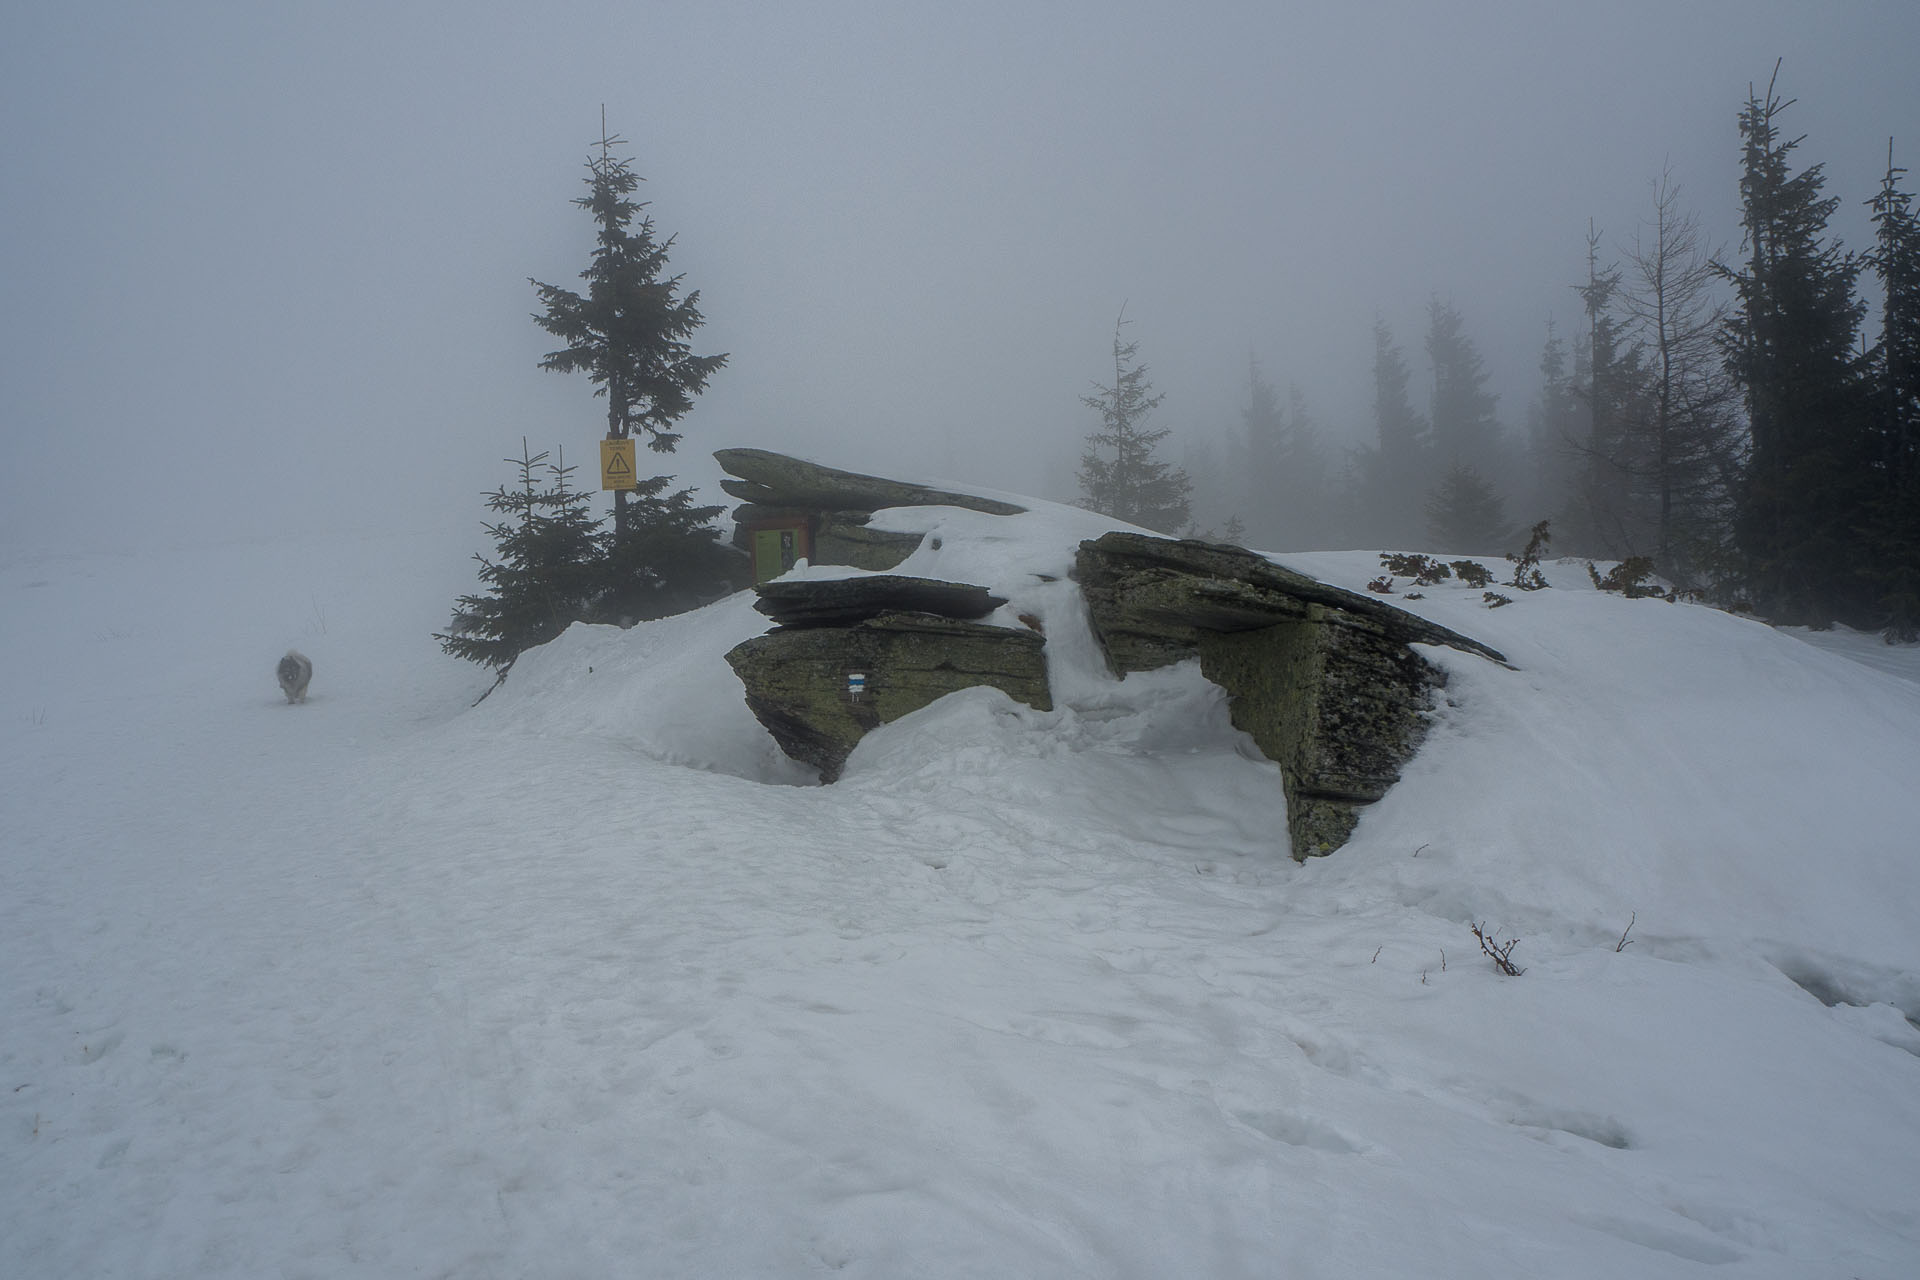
(264, 266)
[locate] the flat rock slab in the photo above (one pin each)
(839, 602)
(800, 684)
(772, 479)
(1159, 593)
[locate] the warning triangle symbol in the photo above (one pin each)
(618, 465)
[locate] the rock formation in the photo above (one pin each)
(773, 479)
(816, 602)
(836, 506)
(856, 653)
(1323, 680)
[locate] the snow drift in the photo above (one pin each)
(584, 980)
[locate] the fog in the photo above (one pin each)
(265, 268)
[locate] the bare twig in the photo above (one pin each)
(1623, 944)
(1501, 953)
(497, 682)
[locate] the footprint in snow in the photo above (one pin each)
(1297, 1131)
(100, 1044)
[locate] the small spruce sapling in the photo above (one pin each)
(1473, 574)
(1631, 577)
(545, 576)
(1424, 570)
(1526, 565)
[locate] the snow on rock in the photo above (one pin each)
(567, 983)
(1710, 773)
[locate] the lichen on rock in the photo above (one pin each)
(797, 678)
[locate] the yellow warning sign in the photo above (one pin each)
(616, 465)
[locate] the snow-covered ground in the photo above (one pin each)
(588, 981)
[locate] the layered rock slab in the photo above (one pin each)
(1325, 681)
(772, 479)
(811, 602)
(852, 654)
(836, 506)
(800, 685)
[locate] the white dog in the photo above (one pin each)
(294, 672)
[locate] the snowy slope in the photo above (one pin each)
(587, 979)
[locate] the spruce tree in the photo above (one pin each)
(1895, 361)
(1284, 480)
(546, 575)
(1465, 514)
(1791, 341)
(1395, 473)
(1262, 453)
(1465, 431)
(1119, 476)
(630, 333)
(1554, 428)
(1603, 517)
(671, 560)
